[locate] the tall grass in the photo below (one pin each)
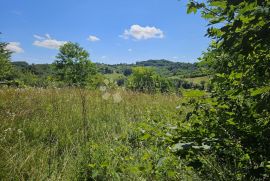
(75, 134)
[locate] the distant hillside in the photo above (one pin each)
(37, 69)
(169, 68)
(163, 67)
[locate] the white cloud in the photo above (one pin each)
(39, 37)
(47, 42)
(14, 47)
(93, 38)
(103, 57)
(130, 50)
(48, 36)
(142, 33)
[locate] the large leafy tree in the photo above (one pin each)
(5, 64)
(73, 66)
(236, 122)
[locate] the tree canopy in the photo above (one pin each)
(72, 64)
(235, 123)
(5, 64)
(147, 80)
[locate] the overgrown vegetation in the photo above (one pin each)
(227, 137)
(145, 121)
(75, 134)
(5, 65)
(146, 80)
(43, 75)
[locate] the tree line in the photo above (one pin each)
(73, 67)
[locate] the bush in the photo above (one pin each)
(147, 80)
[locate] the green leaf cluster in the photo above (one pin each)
(5, 64)
(235, 122)
(72, 65)
(145, 79)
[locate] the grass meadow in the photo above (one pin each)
(78, 134)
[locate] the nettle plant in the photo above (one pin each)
(228, 136)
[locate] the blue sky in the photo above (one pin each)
(113, 31)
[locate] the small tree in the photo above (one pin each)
(147, 80)
(5, 65)
(143, 79)
(73, 66)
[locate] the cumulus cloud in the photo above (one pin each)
(47, 42)
(138, 32)
(93, 38)
(14, 47)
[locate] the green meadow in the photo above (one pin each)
(77, 134)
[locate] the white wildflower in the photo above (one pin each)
(106, 81)
(20, 131)
(178, 107)
(7, 130)
(117, 98)
(106, 96)
(102, 88)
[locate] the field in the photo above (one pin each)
(114, 115)
(198, 80)
(77, 134)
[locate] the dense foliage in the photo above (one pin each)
(5, 64)
(79, 134)
(168, 68)
(44, 75)
(147, 80)
(231, 130)
(165, 68)
(72, 64)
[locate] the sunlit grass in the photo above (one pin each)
(66, 134)
(198, 80)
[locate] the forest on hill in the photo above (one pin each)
(163, 67)
(179, 74)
